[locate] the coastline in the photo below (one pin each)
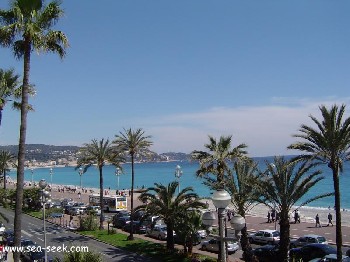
(307, 213)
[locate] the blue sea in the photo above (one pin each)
(146, 174)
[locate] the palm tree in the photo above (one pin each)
(241, 186)
(328, 144)
(215, 162)
(99, 153)
(8, 86)
(163, 201)
(186, 226)
(6, 162)
(25, 27)
(133, 143)
(285, 185)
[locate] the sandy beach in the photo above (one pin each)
(307, 214)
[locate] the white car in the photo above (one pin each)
(213, 246)
(158, 231)
(2, 229)
(265, 237)
(202, 233)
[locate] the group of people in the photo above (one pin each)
(318, 223)
(272, 216)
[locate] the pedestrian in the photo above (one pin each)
(268, 217)
(273, 214)
(330, 217)
(79, 195)
(317, 218)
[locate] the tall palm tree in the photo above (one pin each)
(26, 27)
(163, 201)
(287, 183)
(99, 153)
(241, 186)
(6, 162)
(215, 162)
(328, 144)
(8, 86)
(133, 143)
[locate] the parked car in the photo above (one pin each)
(120, 222)
(74, 211)
(94, 210)
(213, 246)
(8, 237)
(202, 233)
(138, 227)
(266, 253)
(2, 229)
(158, 231)
(31, 255)
(308, 239)
(333, 258)
(120, 214)
(265, 237)
(196, 239)
(312, 251)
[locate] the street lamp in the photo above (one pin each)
(45, 198)
(118, 172)
(221, 199)
(178, 174)
(32, 172)
(51, 173)
(238, 223)
(81, 172)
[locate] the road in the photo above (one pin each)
(32, 228)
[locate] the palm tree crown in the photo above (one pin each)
(162, 201)
(215, 162)
(328, 144)
(6, 162)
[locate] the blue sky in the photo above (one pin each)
(183, 70)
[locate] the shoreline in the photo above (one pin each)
(307, 213)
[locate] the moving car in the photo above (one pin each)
(213, 246)
(312, 251)
(2, 229)
(8, 237)
(308, 239)
(120, 222)
(265, 237)
(202, 233)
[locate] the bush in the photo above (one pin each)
(88, 223)
(82, 257)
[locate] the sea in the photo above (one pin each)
(146, 174)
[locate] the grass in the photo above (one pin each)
(140, 246)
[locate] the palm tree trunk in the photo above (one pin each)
(284, 238)
(338, 230)
(170, 245)
(101, 198)
(21, 151)
(131, 236)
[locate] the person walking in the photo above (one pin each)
(268, 217)
(330, 218)
(317, 218)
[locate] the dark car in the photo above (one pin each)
(266, 253)
(37, 255)
(25, 242)
(8, 237)
(120, 222)
(312, 251)
(196, 240)
(138, 227)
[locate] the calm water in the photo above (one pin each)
(146, 174)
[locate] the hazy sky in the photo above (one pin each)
(186, 69)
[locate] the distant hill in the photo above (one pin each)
(44, 153)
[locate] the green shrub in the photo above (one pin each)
(88, 223)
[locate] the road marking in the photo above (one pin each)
(26, 233)
(41, 239)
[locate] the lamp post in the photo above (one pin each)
(81, 172)
(32, 173)
(45, 198)
(238, 223)
(118, 172)
(178, 174)
(221, 199)
(51, 173)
